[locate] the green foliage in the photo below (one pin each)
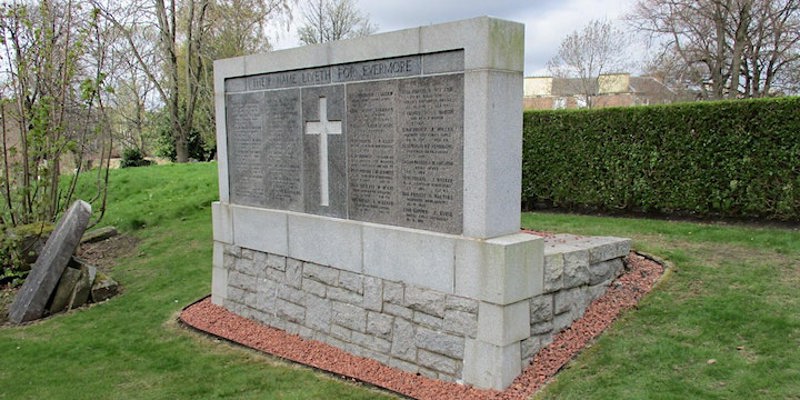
(50, 107)
(737, 159)
(142, 198)
(17, 251)
(133, 157)
(199, 149)
(734, 287)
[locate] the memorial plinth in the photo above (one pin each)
(370, 194)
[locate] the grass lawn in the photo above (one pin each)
(734, 298)
(131, 347)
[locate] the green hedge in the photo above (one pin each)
(737, 159)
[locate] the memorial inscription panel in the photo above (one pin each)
(432, 115)
(282, 167)
(386, 137)
(246, 149)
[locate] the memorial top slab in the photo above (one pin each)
(390, 68)
(488, 43)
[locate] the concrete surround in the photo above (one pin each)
(470, 307)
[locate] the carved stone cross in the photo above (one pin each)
(323, 128)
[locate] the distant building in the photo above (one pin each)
(613, 90)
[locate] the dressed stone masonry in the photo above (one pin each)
(369, 199)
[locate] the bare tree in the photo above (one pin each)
(238, 27)
(727, 48)
(134, 103)
(157, 60)
(772, 53)
(328, 20)
(669, 69)
(586, 54)
(184, 30)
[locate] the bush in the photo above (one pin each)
(19, 247)
(737, 159)
(201, 147)
(133, 157)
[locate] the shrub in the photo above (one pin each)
(133, 157)
(737, 159)
(19, 247)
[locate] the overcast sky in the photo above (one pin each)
(546, 21)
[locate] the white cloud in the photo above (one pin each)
(546, 22)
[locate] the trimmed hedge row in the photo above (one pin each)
(736, 159)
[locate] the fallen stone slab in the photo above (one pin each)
(100, 234)
(74, 287)
(32, 298)
(80, 294)
(64, 290)
(92, 275)
(83, 289)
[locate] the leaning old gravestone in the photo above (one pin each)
(45, 273)
(370, 197)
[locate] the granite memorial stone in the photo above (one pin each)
(377, 180)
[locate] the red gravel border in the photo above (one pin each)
(641, 274)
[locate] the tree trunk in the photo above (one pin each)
(717, 76)
(181, 148)
(167, 27)
(739, 42)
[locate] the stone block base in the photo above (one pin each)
(405, 326)
(508, 297)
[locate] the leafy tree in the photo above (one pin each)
(53, 118)
(238, 27)
(51, 104)
(329, 20)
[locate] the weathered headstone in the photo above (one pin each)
(45, 273)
